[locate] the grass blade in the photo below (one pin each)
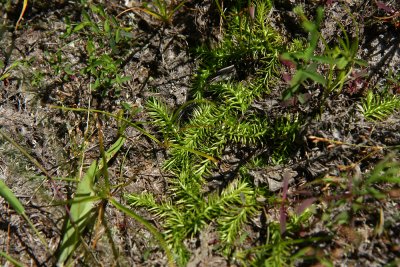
(82, 206)
(11, 259)
(79, 214)
(9, 196)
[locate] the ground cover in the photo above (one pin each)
(200, 133)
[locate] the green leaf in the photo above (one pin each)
(324, 59)
(375, 107)
(11, 259)
(122, 79)
(107, 27)
(376, 193)
(341, 63)
(68, 70)
(309, 26)
(361, 62)
(4, 76)
(90, 48)
(95, 28)
(80, 26)
(81, 209)
(80, 213)
(98, 10)
(118, 35)
(178, 7)
(9, 196)
(86, 17)
(315, 76)
(114, 21)
(298, 78)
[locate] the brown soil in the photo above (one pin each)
(161, 62)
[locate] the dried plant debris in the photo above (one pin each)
(199, 133)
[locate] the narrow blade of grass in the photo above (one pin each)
(82, 206)
(9, 196)
(11, 259)
(79, 214)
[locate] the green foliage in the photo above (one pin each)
(387, 171)
(210, 129)
(278, 250)
(105, 42)
(237, 205)
(162, 117)
(9, 196)
(14, 202)
(11, 259)
(192, 210)
(282, 136)
(161, 10)
(212, 126)
(339, 59)
(6, 70)
(105, 71)
(377, 107)
(81, 210)
(88, 203)
(219, 118)
(362, 191)
(249, 43)
(202, 133)
(104, 29)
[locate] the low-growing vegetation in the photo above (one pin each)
(199, 133)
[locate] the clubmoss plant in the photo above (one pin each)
(190, 210)
(219, 118)
(250, 47)
(377, 107)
